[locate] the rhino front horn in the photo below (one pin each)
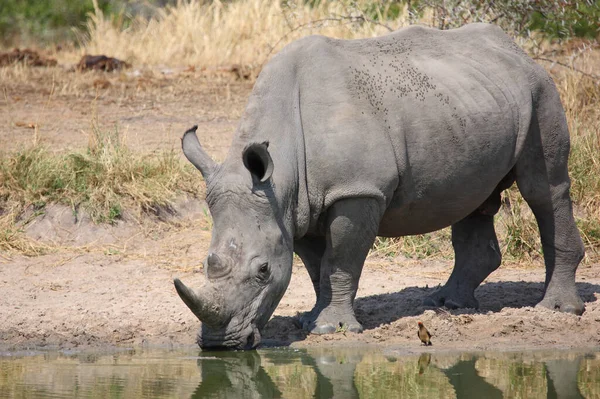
(206, 307)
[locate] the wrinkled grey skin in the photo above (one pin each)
(403, 134)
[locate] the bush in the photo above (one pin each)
(45, 20)
(579, 19)
(553, 18)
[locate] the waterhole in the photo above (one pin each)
(298, 373)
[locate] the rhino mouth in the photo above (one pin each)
(220, 330)
(249, 338)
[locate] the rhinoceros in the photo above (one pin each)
(346, 140)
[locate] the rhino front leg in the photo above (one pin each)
(351, 229)
(477, 254)
(311, 249)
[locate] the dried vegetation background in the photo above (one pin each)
(106, 144)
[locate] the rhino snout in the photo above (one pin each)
(248, 339)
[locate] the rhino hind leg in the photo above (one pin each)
(543, 180)
(477, 254)
(351, 230)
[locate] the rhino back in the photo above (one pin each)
(426, 121)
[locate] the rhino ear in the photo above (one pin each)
(258, 161)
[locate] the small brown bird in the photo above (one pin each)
(424, 335)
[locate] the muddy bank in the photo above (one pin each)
(122, 294)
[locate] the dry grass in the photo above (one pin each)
(211, 34)
(12, 238)
(104, 180)
(64, 81)
(107, 181)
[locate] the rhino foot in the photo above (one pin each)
(328, 321)
(564, 303)
(308, 318)
(451, 299)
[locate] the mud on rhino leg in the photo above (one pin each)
(311, 249)
(542, 178)
(351, 229)
(477, 254)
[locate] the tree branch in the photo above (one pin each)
(565, 65)
(346, 19)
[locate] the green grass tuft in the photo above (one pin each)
(105, 180)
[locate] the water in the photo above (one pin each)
(288, 373)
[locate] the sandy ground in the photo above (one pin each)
(112, 285)
(94, 297)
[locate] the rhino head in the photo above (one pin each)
(248, 266)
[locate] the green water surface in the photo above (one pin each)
(298, 373)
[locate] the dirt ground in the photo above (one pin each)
(112, 285)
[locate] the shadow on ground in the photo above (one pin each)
(376, 310)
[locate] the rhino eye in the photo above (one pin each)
(263, 271)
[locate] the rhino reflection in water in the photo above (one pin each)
(562, 378)
(343, 373)
(243, 374)
(235, 375)
(403, 134)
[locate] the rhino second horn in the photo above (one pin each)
(206, 307)
(194, 152)
(215, 267)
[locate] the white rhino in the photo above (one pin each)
(345, 140)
